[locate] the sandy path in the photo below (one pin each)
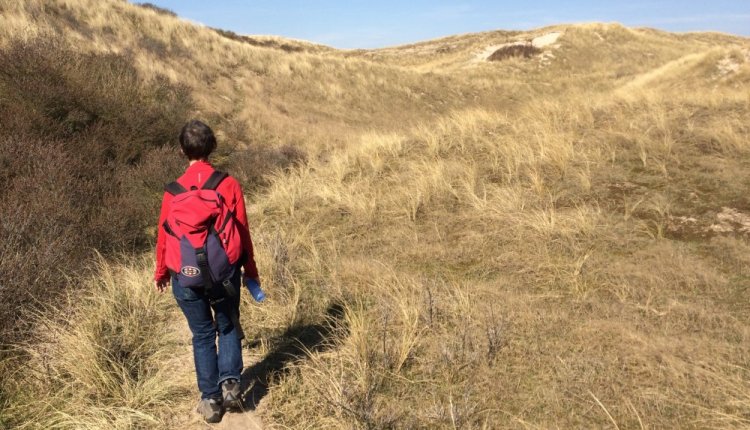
(185, 378)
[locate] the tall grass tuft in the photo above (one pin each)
(105, 365)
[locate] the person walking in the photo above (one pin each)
(203, 245)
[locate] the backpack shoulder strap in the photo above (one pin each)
(214, 180)
(174, 188)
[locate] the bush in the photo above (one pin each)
(254, 167)
(82, 159)
(526, 50)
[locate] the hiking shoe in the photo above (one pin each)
(210, 410)
(230, 390)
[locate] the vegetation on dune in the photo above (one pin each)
(510, 51)
(105, 365)
(158, 9)
(535, 262)
(552, 240)
(82, 161)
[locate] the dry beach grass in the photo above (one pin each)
(553, 241)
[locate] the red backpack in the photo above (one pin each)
(203, 239)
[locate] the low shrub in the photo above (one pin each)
(254, 167)
(526, 50)
(82, 156)
(95, 104)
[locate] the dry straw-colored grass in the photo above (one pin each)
(522, 244)
(252, 94)
(108, 363)
(494, 274)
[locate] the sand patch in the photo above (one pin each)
(730, 220)
(546, 40)
(543, 41)
(731, 65)
(727, 66)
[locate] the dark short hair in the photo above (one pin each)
(197, 140)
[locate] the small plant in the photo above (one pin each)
(495, 336)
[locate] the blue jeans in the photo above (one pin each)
(212, 367)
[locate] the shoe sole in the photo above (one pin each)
(232, 403)
(214, 420)
(214, 417)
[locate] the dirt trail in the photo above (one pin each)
(185, 378)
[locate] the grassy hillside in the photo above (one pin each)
(254, 91)
(559, 240)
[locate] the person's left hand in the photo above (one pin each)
(253, 286)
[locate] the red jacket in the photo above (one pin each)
(230, 189)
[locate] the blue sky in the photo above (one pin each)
(371, 24)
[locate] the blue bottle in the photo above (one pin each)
(255, 291)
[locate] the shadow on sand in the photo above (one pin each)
(291, 346)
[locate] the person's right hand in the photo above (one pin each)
(161, 286)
